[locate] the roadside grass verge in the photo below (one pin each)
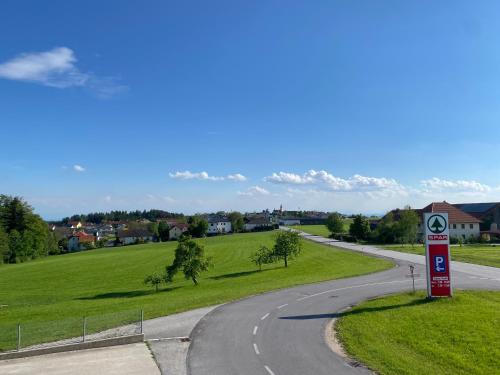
(407, 334)
(109, 281)
(478, 254)
(317, 230)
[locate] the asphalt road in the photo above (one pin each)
(283, 332)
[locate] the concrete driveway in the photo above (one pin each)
(114, 360)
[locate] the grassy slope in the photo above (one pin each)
(110, 280)
(485, 255)
(405, 334)
(318, 230)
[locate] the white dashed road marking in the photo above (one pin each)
(255, 330)
(265, 316)
(285, 305)
(256, 349)
(269, 370)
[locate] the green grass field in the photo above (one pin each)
(478, 254)
(406, 334)
(320, 230)
(107, 281)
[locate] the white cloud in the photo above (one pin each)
(107, 198)
(254, 191)
(236, 177)
(437, 184)
(78, 168)
(204, 176)
(326, 181)
(57, 68)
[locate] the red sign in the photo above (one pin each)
(440, 282)
(437, 237)
(438, 254)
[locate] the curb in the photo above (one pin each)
(131, 339)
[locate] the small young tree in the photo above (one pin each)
(263, 255)
(154, 280)
(190, 257)
(287, 246)
(359, 228)
(335, 223)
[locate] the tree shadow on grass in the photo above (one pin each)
(238, 274)
(356, 311)
(128, 294)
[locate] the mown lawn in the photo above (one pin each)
(318, 230)
(321, 230)
(406, 334)
(478, 254)
(64, 288)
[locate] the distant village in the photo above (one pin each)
(468, 221)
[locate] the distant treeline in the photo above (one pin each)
(100, 217)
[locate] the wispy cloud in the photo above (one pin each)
(254, 191)
(78, 168)
(237, 177)
(57, 68)
(204, 176)
(438, 184)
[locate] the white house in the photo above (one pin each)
(217, 225)
(132, 236)
(289, 221)
(177, 230)
(255, 222)
(81, 241)
(462, 225)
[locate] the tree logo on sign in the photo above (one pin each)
(436, 224)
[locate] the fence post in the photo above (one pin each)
(84, 327)
(142, 320)
(18, 336)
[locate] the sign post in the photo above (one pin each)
(437, 253)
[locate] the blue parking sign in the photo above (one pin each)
(439, 263)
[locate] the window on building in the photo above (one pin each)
(454, 226)
(463, 226)
(471, 226)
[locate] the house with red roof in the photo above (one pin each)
(81, 241)
(462, 225)
(177, 230)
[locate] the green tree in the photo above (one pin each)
(263, 255)
(154, 280)
(16, 247)
(29, 236)
(386, 231)
(335, 223)
(4, 246)
(359, 228)
(190, 257)
(198, 227)
(408, 225)
(163, 231)
(237, 222)
(287, 246)
(154, 228)
(13, 213)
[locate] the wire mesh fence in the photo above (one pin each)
(31, 335)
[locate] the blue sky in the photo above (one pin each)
(358, 106)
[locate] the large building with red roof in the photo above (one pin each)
(462, 225)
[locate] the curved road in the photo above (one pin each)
(283, 332)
